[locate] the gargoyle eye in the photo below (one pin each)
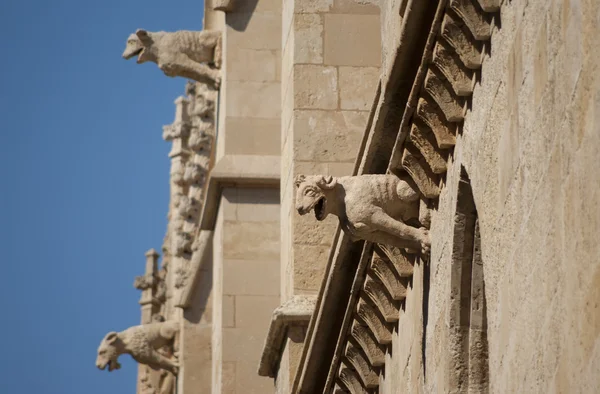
(309, 193)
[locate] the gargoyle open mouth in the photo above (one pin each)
(112, 365)
(320, 208)
(137, 52)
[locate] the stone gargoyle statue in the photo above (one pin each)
(194, 55)
(142, 343)
(375, 208)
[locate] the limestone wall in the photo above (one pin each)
(246, 287)
(529, 145)
(246, 266)
(330, 68)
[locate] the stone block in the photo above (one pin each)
(309, 266)
(340, 169)
(228, 313)
(357, 87)
(328, 136)
(252, 136)
(352, 40)
(251, 240)
(253, 99)
(260, 65)
(257, 205)
(195, 356)
(308, 231)
(247, 277)
(228, 378)
(243, 345)
(308, 38)
(228, 204)
(312, 6)
(315, 87)
(356, 6)
(253, 30)
(254, 312)
(248, 381)
(259, 6)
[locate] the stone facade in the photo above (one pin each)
(453, 142)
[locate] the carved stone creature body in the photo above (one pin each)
(186, 54)
(375, 208)
(142, 343)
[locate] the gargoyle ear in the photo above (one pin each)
(299, 179)
(327, 182)
(142, 35)
(111, 337)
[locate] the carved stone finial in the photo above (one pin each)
(370, 207)
(142, 343)
(189, 54)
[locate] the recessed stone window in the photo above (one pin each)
(468, 345)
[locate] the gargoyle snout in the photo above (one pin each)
(300, 209)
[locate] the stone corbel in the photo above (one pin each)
(294, 312)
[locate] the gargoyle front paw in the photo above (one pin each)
(217, 81)
(425, 241)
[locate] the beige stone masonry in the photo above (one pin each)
(330, 67)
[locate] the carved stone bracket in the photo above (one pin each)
(296, 311)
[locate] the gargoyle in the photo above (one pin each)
(187, 54)
(375, 208)
(142, 343)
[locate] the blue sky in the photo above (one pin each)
(84, 184)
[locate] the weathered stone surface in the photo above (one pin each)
(475, 19)
(423, 139)
(383, 269)
(432, 116)
(350, 379)
(357, 87)
(323, 136)
(367, 343)
(460, 78)
(356, 358)
(469, 50)
(359, 32)
(308, 31)
(440, 90)
(419, 170)
(367, 313)
(259, 65)
(316, 87)
(378, 294)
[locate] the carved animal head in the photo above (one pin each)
(109, 351)
(138, 44)
(312, 193)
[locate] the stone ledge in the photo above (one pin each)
(298, 310)
(237, 171)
